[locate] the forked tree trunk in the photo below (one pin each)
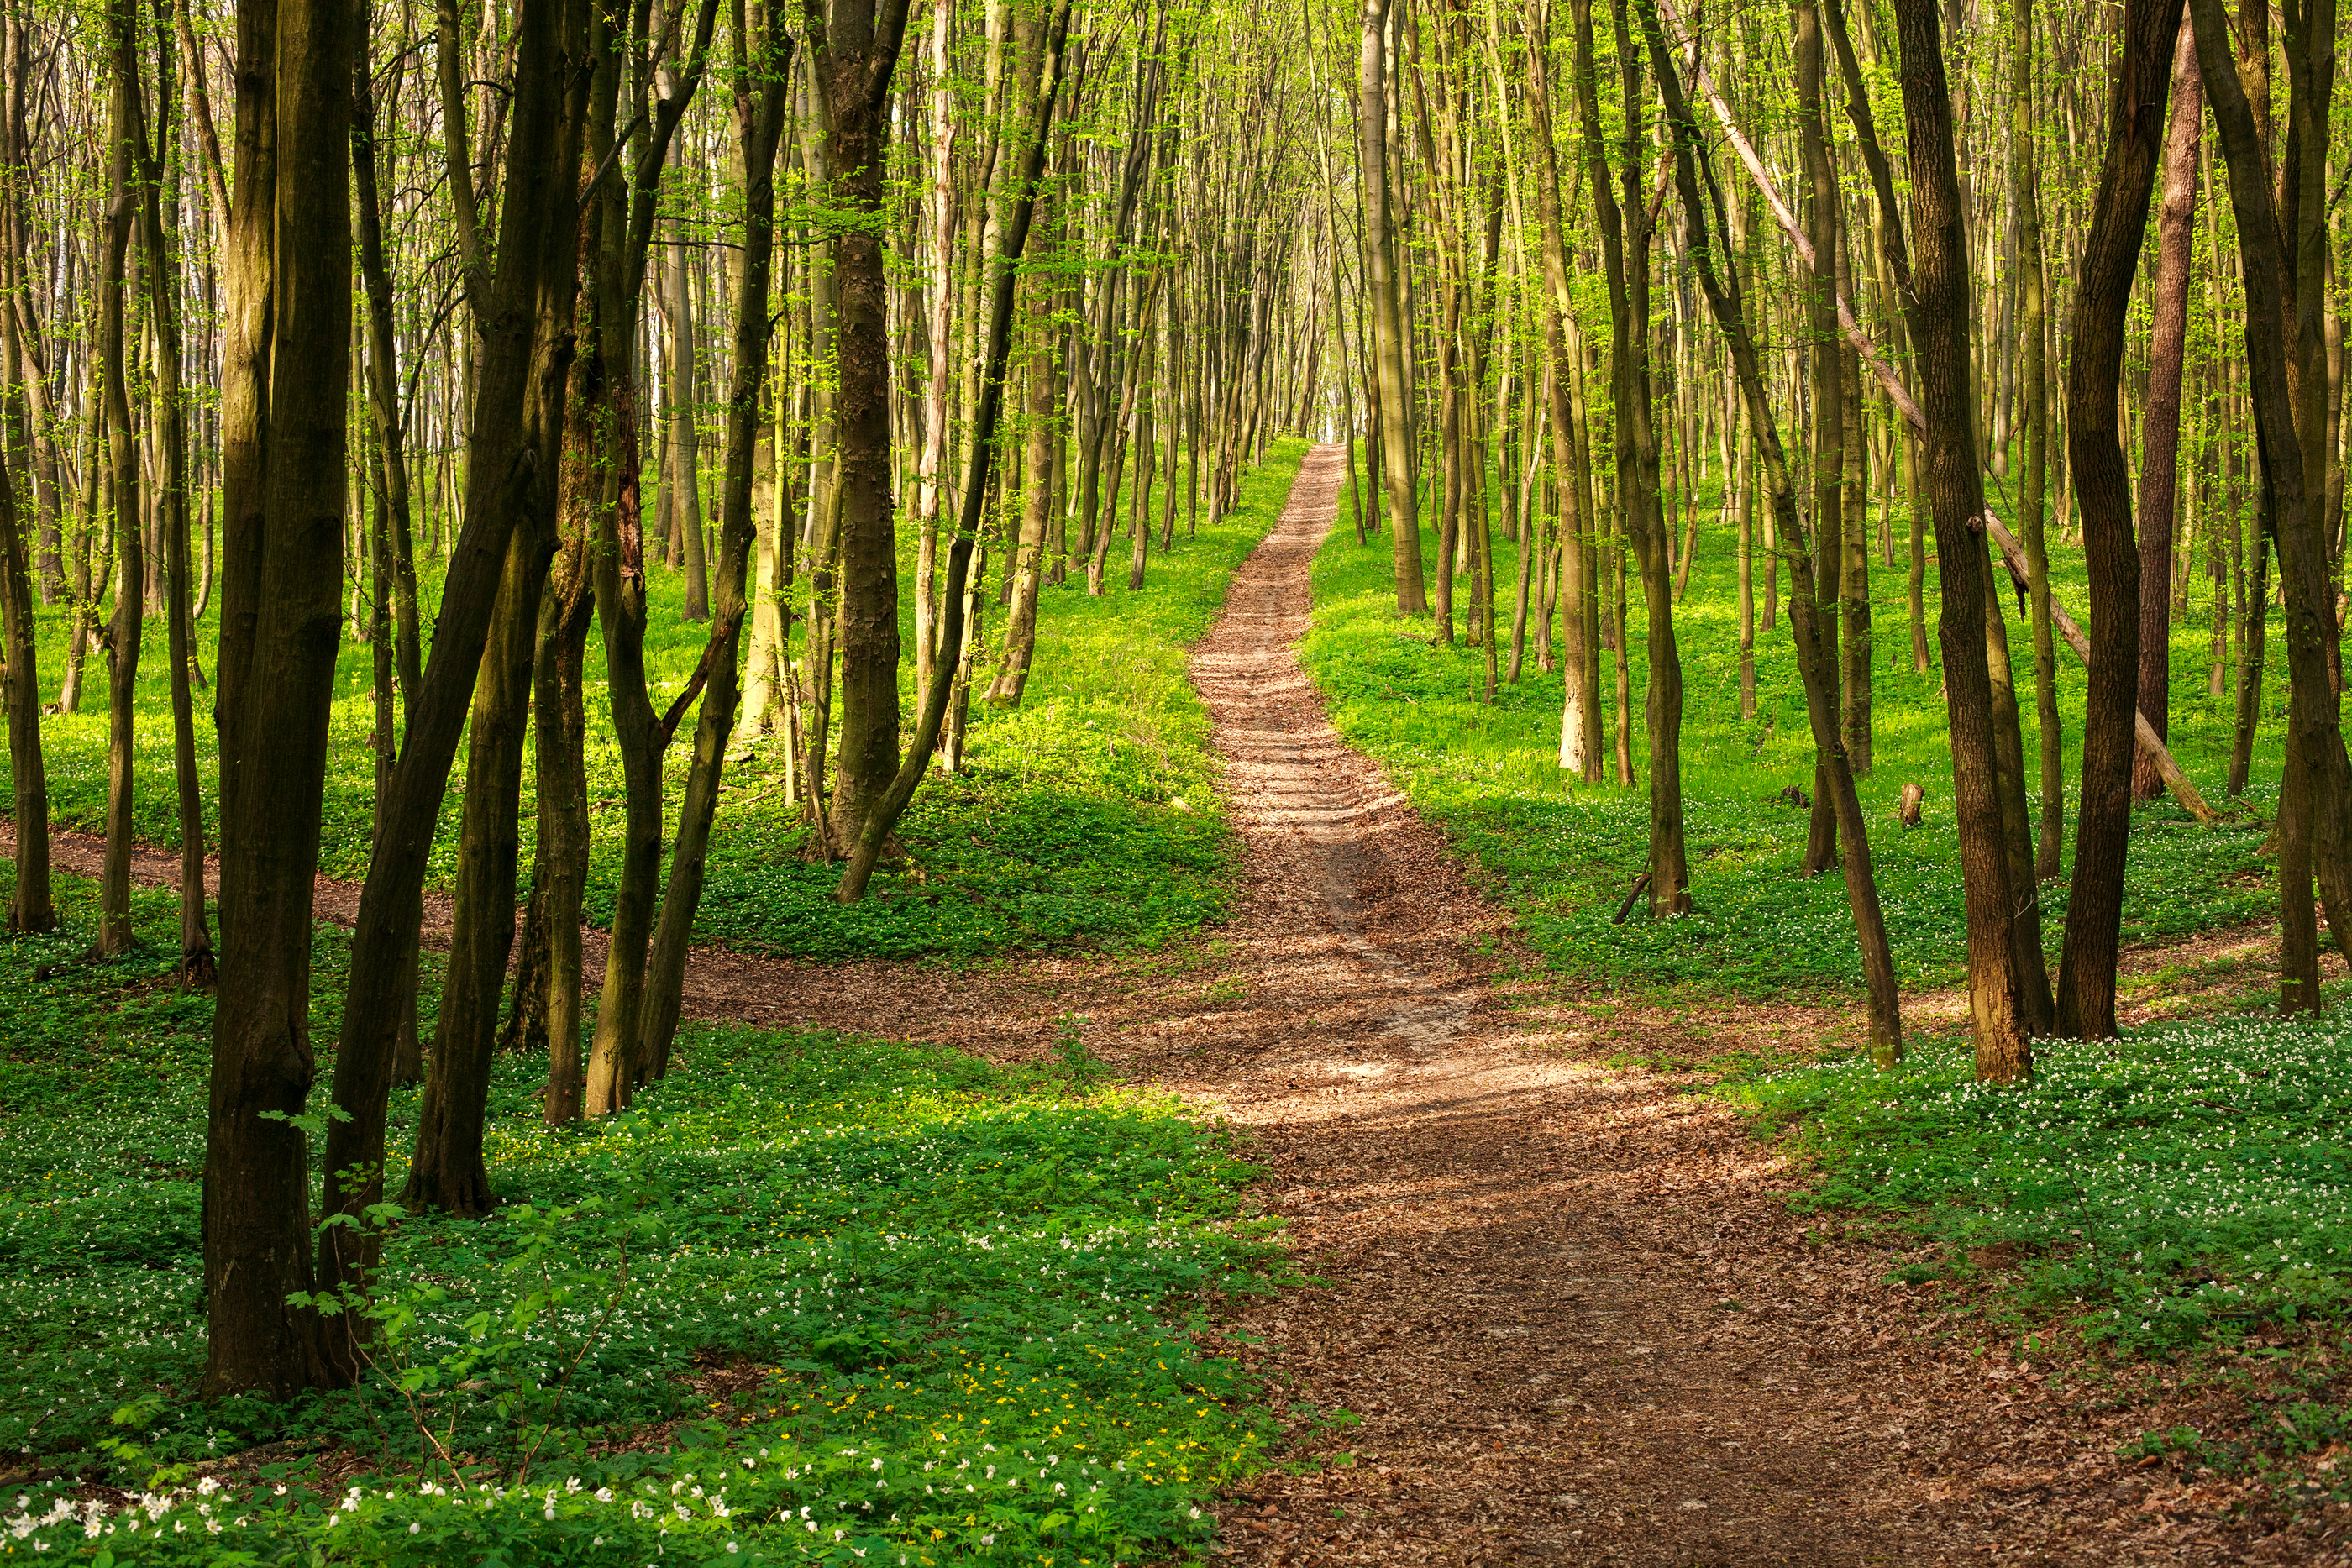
(2314, 835)
(760, 102)
(521, 297)
(2136, 119)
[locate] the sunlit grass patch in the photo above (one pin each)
(920, 1302)
(2191, 1183)
(1562, 858)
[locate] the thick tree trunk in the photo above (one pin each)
(2135, 118)
(285, 381)
(855, 53)
(1939, 312)
(2159, 473)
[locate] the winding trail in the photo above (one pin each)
(1562, 1302)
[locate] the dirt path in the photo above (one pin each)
(1564, 1300)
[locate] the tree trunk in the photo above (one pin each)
(1939, 312)
(854, 56)
(31, 908)
(521, 295)
(761, 103)
(1626, 257)
(286, 372)
(1815, 653)
(2034, 376)
(448, 1172)
(2135, 118)
(2160, 471)
(127, 624)
(1828, 389)
(684, 437)
(1388, 320)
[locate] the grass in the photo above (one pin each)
(812, 1299)
(1086, 817)
(1561, 857)
(2186, 1183)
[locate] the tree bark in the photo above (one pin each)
(1388, 322)
(285, 380)
(2160, 471)
(521, 295)
(2135, 118)
(854, 52)
(1938, 311)
(125, 628)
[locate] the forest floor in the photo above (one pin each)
(1565, 1314)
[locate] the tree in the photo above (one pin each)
(285, 377)
(2086, 990)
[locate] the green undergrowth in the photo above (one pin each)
(1562, 858)
(812, 1298)
(1086, 817)
(2188, 1184)
(1089, 816)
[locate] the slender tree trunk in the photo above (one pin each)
(128, 624)
(1815, 653)
(1627, 258)
(522, 294)
(448, 1172)
(1828, 388)
(762, 99)
(2175, 234)
(31, 908)
(685, 436)
(2034, 378)
(1388, 322)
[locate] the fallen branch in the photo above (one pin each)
(1626, 908)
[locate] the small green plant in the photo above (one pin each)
(1079, 1063)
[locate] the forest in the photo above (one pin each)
(1085, 781)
